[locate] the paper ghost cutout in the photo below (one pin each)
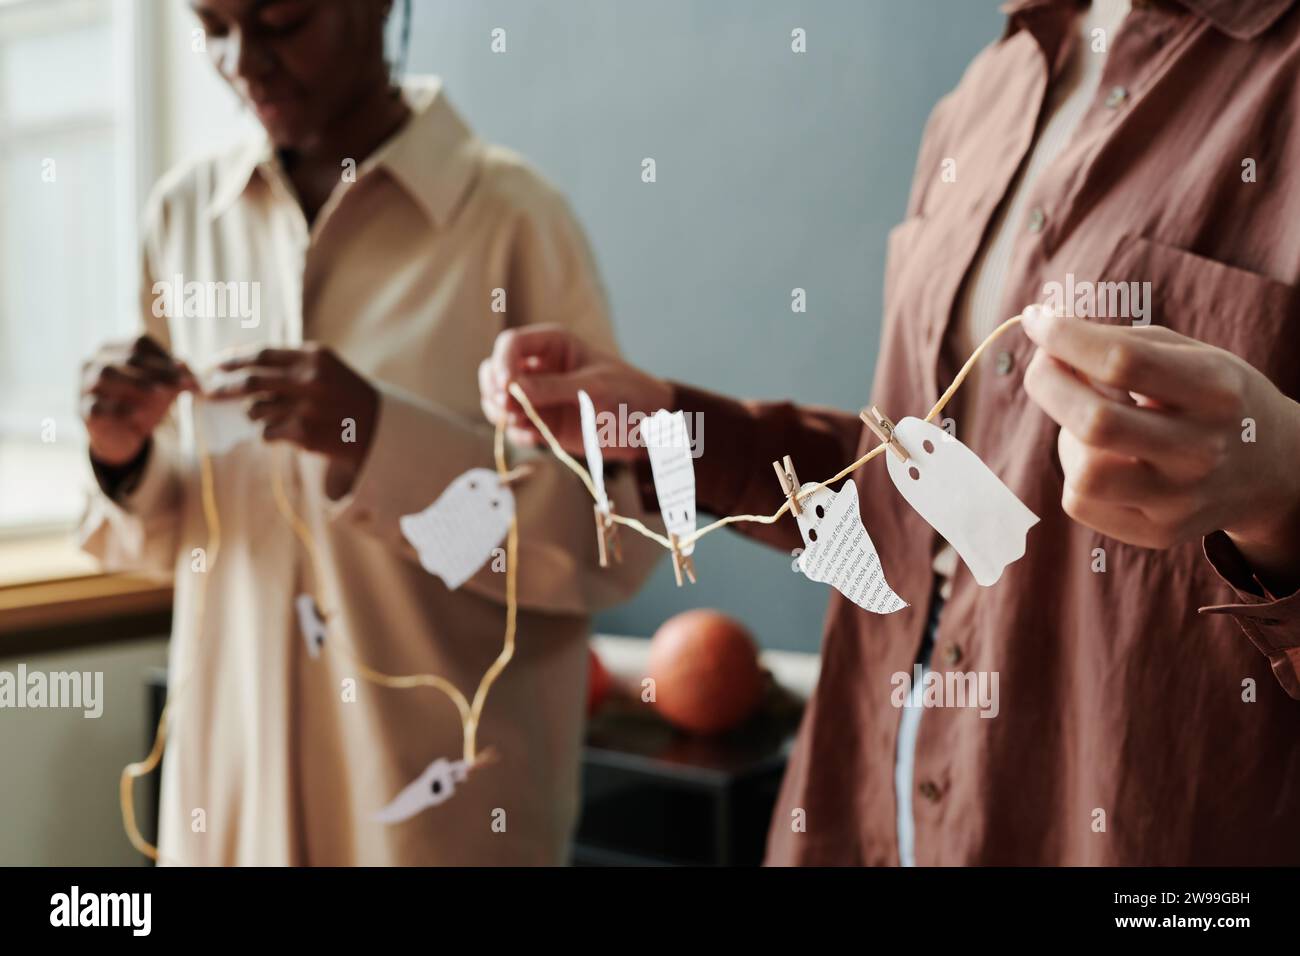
(591, 444)
(435, 786)
(311, 624)
(665, 437)
(223, 425)
(961, 498)
(839, 552)
(456, 534)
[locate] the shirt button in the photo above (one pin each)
(1004, 363)
(1037, 219)
(952, 655)
(1116, 97)
(929, 790)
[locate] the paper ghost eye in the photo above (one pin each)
(812, 534)
(436, 787)
(495, 503)
(928, 446)
(473, 485)
(821, 512)
(913, 473)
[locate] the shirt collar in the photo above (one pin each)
(433, 157)
(1239, 19)
(237, 172)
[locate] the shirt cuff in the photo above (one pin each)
(142, 492)
(1271, 622)
(131, 530)
(117, 481)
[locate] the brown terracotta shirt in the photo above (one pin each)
(1124, 691)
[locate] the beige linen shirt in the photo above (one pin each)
(397, 275)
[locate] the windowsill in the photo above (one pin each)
(37, 559)
(60, 600)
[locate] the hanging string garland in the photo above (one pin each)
(469, 709)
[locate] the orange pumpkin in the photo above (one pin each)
(706, 674)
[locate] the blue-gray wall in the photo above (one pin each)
(775, 171)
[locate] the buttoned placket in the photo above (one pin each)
(929, 769)
(1136, 46)
(1051, 207)
(1049, 210)
(304, 243)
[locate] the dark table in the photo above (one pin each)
(653, 796)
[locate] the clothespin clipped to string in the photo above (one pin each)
(607, 536)
(785, 474)
(884, 430)
(682, 564)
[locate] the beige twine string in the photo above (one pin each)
(470, 712)
(699, 533)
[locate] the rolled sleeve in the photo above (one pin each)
(136, 530)
(1272, 623)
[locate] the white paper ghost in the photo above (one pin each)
(839, 552)
(456, 535)
(961, 498)
(223, 425)
(433, 787)
(310, 624)
(591, 444)
(668, 443)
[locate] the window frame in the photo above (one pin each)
(62, 595)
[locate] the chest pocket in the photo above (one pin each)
(1251, 315)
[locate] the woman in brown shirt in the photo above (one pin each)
(1148, 643)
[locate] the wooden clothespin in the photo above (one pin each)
(884, 430)
(785, 474)
(682, 564)
(607, 536)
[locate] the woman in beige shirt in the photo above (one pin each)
(362, 257)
